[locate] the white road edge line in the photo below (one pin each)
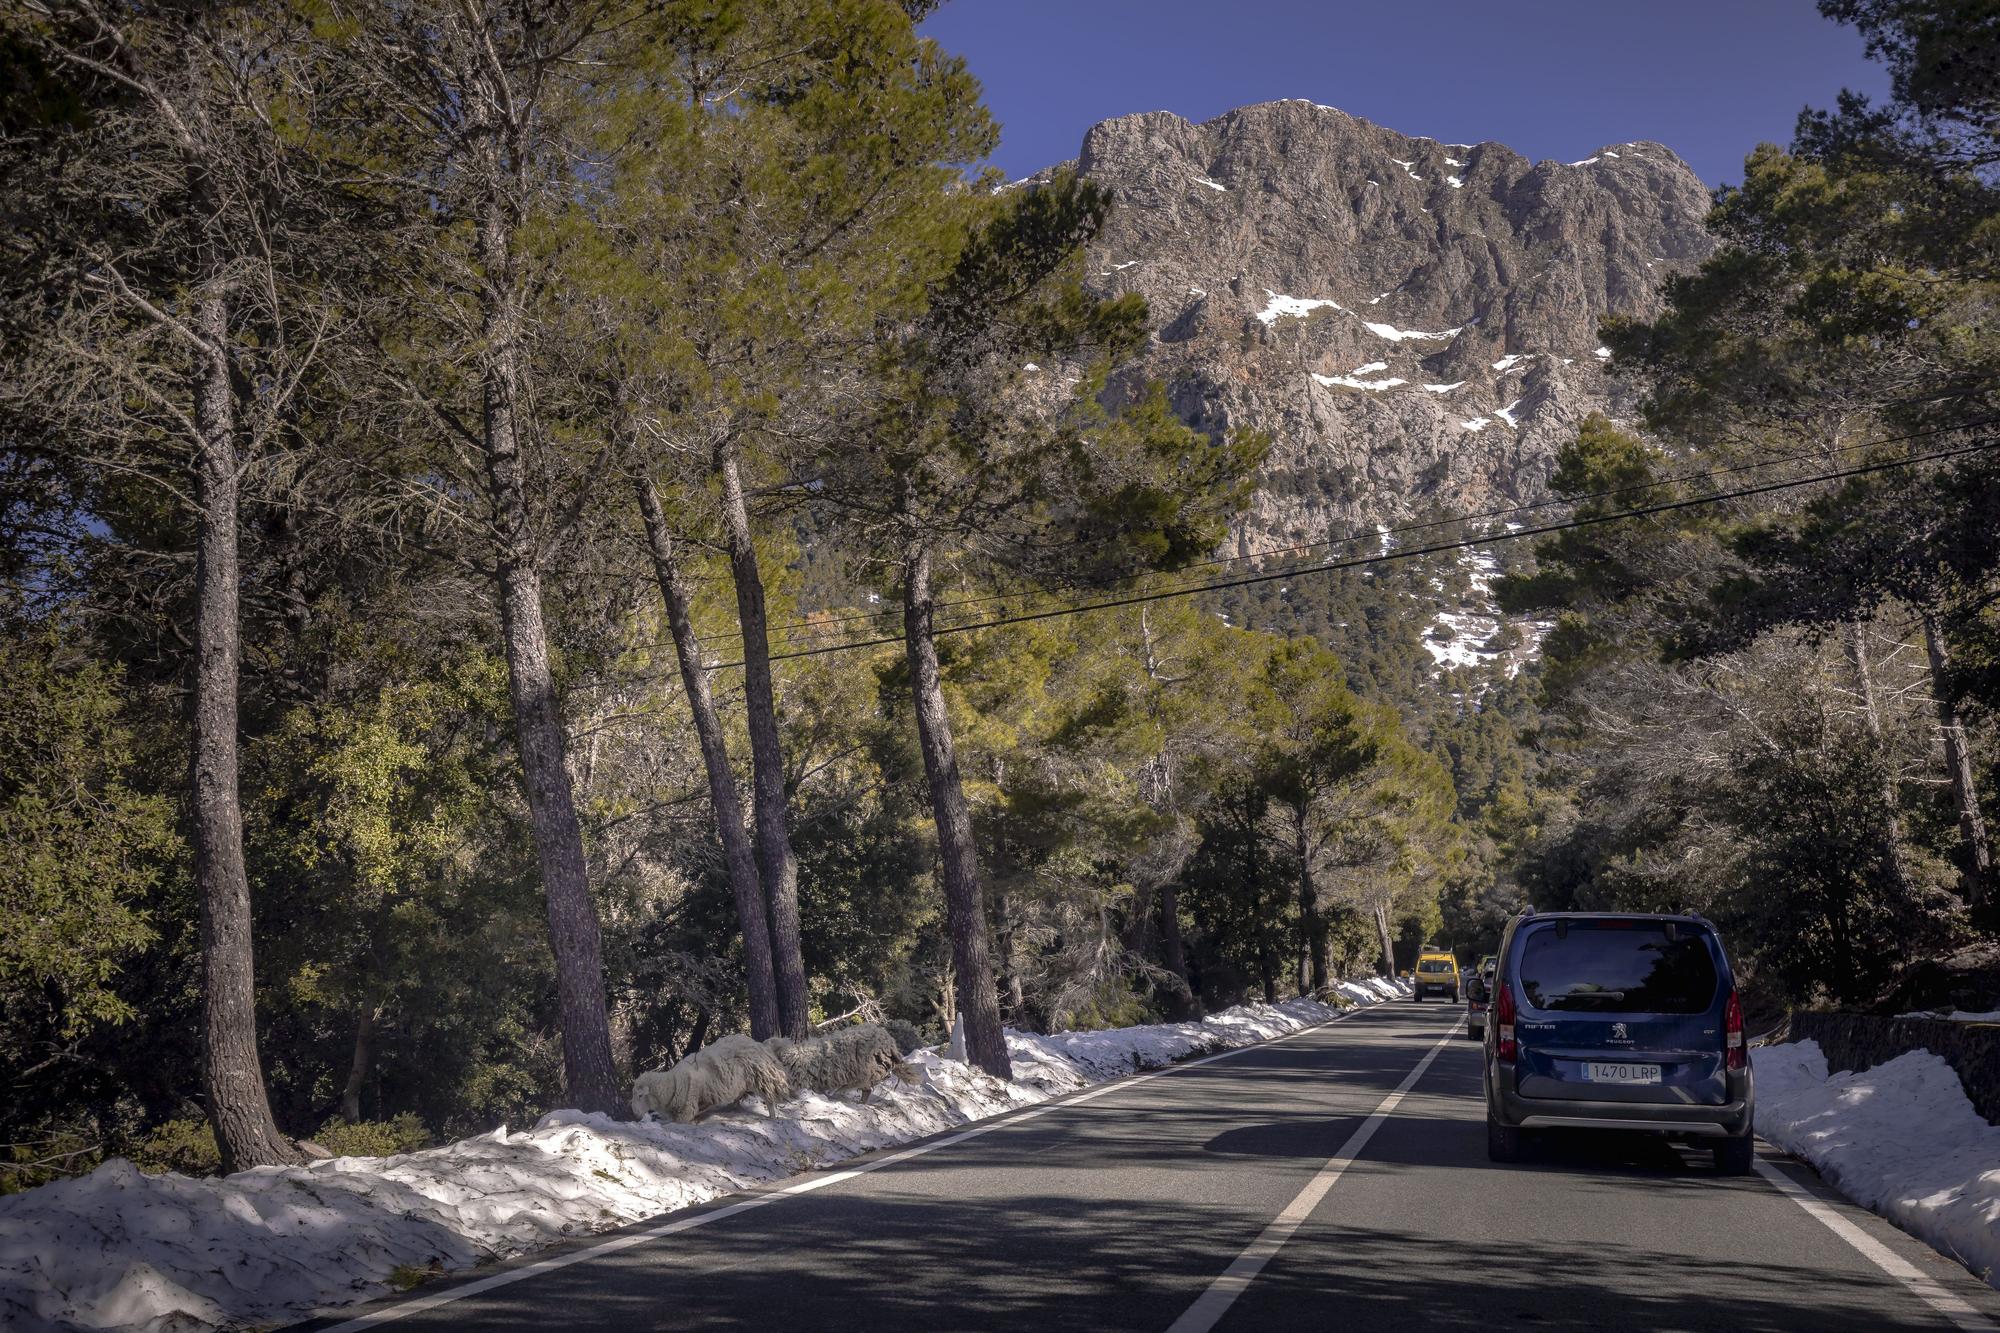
(1920, 1283)
(1212, 1304)
(404, 1309)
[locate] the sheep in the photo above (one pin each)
(855, 1058)
(718, 1074)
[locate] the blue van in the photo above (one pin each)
(1612, 1020)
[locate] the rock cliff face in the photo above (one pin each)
(1413, 322)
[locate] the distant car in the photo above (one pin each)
(1478, 992)
(1437, 974)
(1617, 1021)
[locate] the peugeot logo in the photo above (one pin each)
(1619, 1032)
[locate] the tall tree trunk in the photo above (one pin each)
(737, 855)
(1871, 719)
(588, 1067)
(1171, 944)
(698, 1034)
(965, 914)
(1975, 851)
(775, 862)
(362, 1059)
(232, 1077)
(1138, 936)
(1003, 944)
(1388, 941)
(1267, 948)
(1311, 926)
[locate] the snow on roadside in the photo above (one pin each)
(1901, 1139)
(121, 1249)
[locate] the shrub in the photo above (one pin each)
(373, 1138)
(186, 1146)
(55, 1156)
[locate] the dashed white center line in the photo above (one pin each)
(1213, 1303)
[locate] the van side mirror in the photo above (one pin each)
(1475, 988)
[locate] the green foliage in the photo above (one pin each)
(1731, 689)
(373, 1138)
(80, 850)
(186, 1146)
(1812, 890)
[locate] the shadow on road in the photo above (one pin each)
(1056, 1262)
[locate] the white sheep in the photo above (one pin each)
(718, 1074)
(852, 1059)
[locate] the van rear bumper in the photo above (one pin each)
(1729, 1120)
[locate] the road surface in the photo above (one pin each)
(1285, 1186)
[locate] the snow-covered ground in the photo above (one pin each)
(1901, 1139)
(120, 1249)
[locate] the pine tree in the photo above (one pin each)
(151, 335)
(961, 465)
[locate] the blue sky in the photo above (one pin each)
(1549, 78)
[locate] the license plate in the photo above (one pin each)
(1622, 1071)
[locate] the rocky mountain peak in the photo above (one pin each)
(1414, 322)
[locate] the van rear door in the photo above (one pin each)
(1621, 1009)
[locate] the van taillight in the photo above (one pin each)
(1733, 1052)
(1503, 1018)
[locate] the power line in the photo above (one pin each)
(798, 628)
(1385, 558)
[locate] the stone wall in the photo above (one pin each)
(1862, 1041)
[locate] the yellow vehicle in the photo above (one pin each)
(1437, 973)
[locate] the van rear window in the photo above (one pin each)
(1619, 967)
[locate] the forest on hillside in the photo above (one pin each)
(536, 534)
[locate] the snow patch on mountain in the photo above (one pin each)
(1349, 382)
(1293, 307)
(1396, 335)
(1476, 633)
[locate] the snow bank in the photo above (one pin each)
(1901, 1139)
(120, 1249)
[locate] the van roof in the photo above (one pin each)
(1692, 918)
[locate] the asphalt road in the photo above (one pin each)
(1121, 1209)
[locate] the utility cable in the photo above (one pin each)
(796, 628)
(1411, 553)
